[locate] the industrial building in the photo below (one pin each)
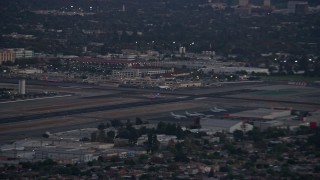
(262, 114)
(139, 72)
(162, 138)
(211, 125)
(65, 156)
(224, 69)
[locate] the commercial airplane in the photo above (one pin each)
(164, 87)
(195, 114)
(215, 109)
(177, 116)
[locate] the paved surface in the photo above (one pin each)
(90, 105)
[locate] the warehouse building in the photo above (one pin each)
(211, 126)
(262, 114)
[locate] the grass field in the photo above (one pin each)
(280, 92)
(293, 78)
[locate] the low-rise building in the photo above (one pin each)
(162, 138)
(22, 53)
(262, 114)
(211, 126)
(65, 156)
(139, 72)
(7, 55)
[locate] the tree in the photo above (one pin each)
(152, 143)
(211, 173)
(93, 136)
(255, 135)
(161, 127)
(145, 177)
(138, 121)
(179, 132)
(180, 154)
(123, 133)
(225, 169)
(111, 134)
(314, 139)
(101, 126)
(238, 135)
(143, 158)
(45, 135)
(101, 135)
(171, 146)
(116, 123)
(133, 135)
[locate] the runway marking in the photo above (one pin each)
(182, 97)
(75, 87)
(200, 98)
(6, 102)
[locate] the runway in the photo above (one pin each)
(91, 104)
(143, 103)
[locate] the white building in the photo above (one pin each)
(267, 124)
(212, 126)
(18, 154)
(30, 71)
(22, 53)
(162, 138)
(65, 156)
(182, 50)
(224, 69)
(262, 114)
(139, 72)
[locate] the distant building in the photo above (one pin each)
(267, 3)
(13, 54)
(243, 11)
(212, 125)
(163, 139)
(65, 156)
(293, 5)
(22, 53)
(182, 50)
(29, 71)
(301, 8)
(139, 72)
(231, 70)
(243, 2)
(7, 55)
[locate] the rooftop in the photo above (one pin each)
(262, 113)
(100, 60)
